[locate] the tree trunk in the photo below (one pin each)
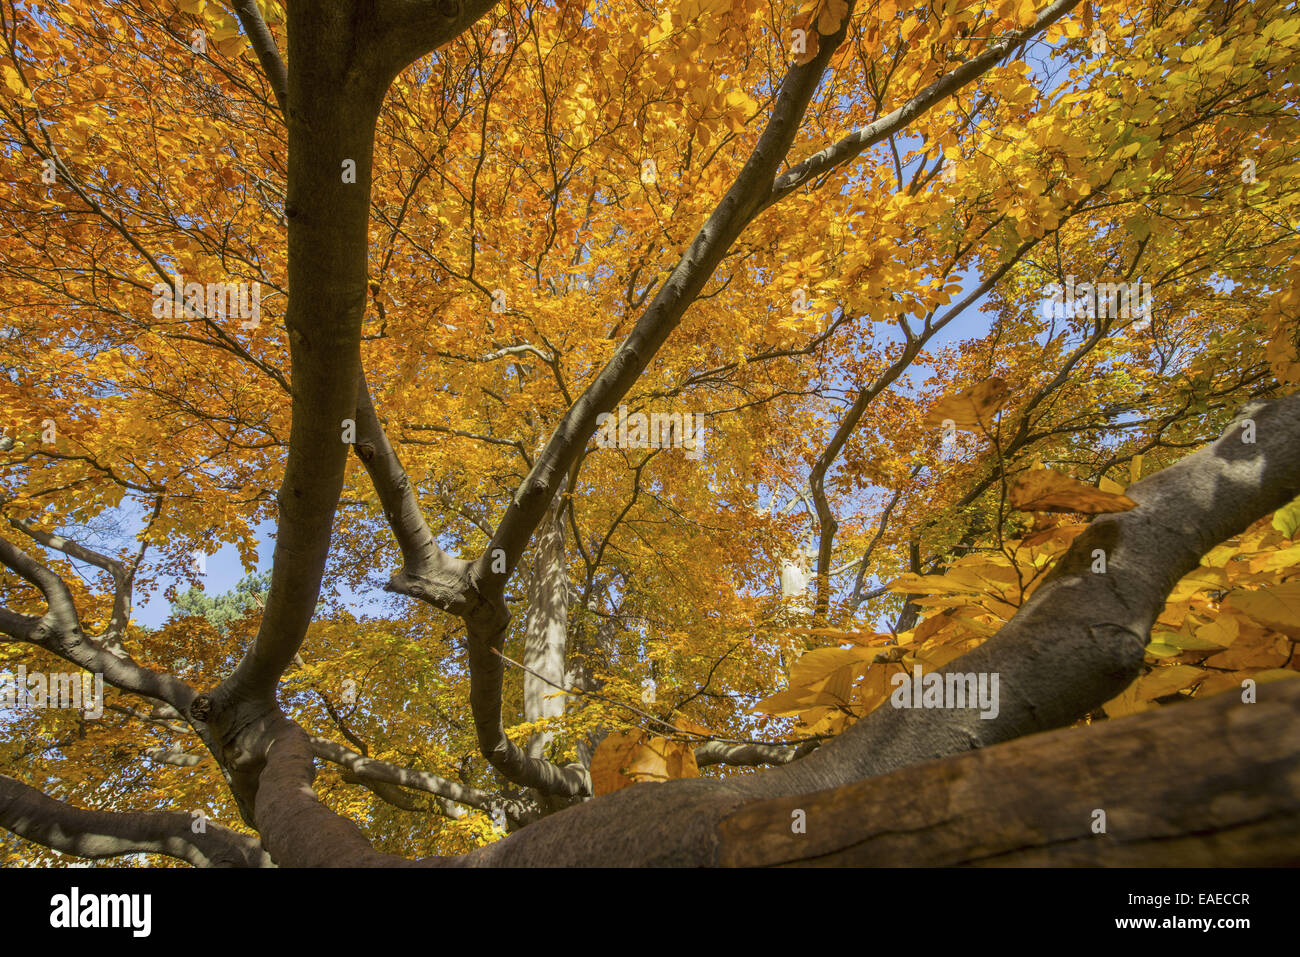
(547, 627)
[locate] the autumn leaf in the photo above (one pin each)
(972, 408)
(626, 758)
(1287, 518)
(1107, 485)
(831, 15)
(1060, 535)
(1158, 683)
(1276, 606)
(1135, 468)
(806, 40)
(1045, 490)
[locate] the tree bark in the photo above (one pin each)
(546, 628)
(99, 834)
(1205, 783)
(1213, 783)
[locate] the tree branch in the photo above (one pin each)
(372, 771)
(41, 819)
(59, 632)
(268, 54)
(1200, 784)
(1079, 640)
(865, 137)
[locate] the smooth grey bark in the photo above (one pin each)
(1208, 783)
(742, 755)
(100, 834)
(373, 771)
(546, 628)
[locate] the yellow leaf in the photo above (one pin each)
(876, 689)
(1254, 648)
(1134, 469)
(785, 703)
(1274, 674)
(1163, 681)
(1279, 560)
(1276, 607)
(1287, 519)
(814, 665)
(1182, 641)
(932, 585)
(690, 727)
(806, 43)
(1221, 632)
(1201, 578)
(612, 755)
(1161, 649)
(1126, 702)
(1059, 535)
(12, 79)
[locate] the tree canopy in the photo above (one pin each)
(636, 394)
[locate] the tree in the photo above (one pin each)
(460, 277)
(220, 610)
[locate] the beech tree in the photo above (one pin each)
(697, 397)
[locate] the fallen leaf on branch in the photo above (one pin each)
(1044, 490)
(627, 758)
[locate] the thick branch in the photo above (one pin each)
(341, 58)
(1075, 644)
(59, 632)
(296, 828)
(742, 755)
(99, 834)
(1212, 783)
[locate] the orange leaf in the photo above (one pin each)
(624, 759)
(972, 408)
(832, 15)
(1043, 490)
